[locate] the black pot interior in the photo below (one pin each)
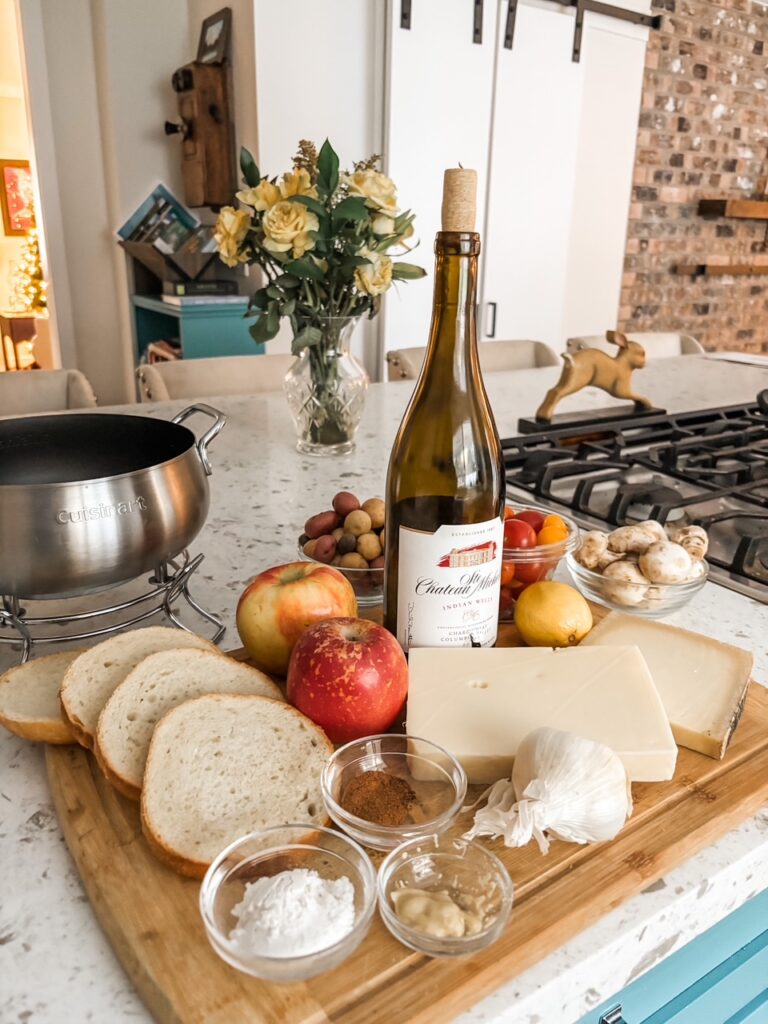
(85, 446)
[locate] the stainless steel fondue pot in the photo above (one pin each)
(92, 500)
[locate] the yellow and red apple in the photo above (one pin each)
(349, 676)
(278, 605)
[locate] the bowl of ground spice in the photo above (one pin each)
(382, 790)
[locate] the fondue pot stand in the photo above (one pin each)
(92, 500)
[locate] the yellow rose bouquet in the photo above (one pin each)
(328, 243)
(324, 239)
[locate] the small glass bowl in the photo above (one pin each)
(434, 775)
(522, 566)
(368, 584)
(650, 601)
(267, 853)
(466, 870)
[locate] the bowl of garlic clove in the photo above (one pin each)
(640, 569)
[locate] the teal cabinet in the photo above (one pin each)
(203, 329)
(721, 977)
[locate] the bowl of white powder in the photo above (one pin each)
(288, 902)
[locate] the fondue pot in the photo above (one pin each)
(92, 500)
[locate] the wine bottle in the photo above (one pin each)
(445, 484)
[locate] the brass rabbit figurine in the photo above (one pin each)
(591, 367)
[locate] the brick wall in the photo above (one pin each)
(703, 132)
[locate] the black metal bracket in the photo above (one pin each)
(477, 22)
(405, 14)
(649, 20)
(509, 25)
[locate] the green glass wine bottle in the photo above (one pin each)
(445, 485)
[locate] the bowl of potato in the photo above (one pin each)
(640, 568)
(350, 537)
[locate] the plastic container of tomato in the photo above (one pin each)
(535, 539)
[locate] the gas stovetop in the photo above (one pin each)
(708, 467)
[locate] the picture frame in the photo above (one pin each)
(213, 46)
(17, 197)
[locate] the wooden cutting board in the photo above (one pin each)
(150, 914)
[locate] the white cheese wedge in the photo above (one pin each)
(480, 703)
(702, 682)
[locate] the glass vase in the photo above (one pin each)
(325, 389)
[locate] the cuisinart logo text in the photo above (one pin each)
(121, 508)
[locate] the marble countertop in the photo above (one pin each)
(56, 965)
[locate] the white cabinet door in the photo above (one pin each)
(440, 86)
(561, 172)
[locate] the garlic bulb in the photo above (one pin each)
(572, 788)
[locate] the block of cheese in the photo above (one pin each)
(480, 703)
(702, 682)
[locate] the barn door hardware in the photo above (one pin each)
(509, 24)
(649, 20)
(477, 22)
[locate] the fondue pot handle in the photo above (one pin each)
(202, 444)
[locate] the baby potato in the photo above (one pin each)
(338, 533)
(347, 543)
(322, 523)
(381, 539)
(309, 548)
(345, 502)
(357, 523)
(353, 561)
(368, 546)
(375, 509)
(325, 548)
(378, 563)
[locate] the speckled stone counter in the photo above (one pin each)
(55, 964)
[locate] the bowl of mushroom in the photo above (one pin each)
(640, 569)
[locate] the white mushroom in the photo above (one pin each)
(593, 546)
(695, 541)
(609, 556)
(625, 584)
(634, 539)
(665, 562)
(654, 527)
(698, 569)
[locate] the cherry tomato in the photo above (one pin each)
(518, 534)
(555, 521)
(534, 519)
(507, 573)
(509, 513)
(506, 603)
(552, 534)
(531, 572)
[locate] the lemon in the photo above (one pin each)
(551, 614)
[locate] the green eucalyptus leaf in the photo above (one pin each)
(249, 168)
(351, 208)
(407, 271)
(350, 262)
(259, 299)
(286, 281)
(305, 269)
(327, 169)
(264, 329)
(306, 338)
(273, 292)
(273, 318)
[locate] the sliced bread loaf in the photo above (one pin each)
(220, 766)
(157, 684)
(91, 679)
(29, 699)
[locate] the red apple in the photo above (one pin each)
(349, 676)
(278, 605)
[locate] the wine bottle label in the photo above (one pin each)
(448, 585)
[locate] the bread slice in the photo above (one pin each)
(157, 684)
(221, 766)
(29, 699)
(91, 679)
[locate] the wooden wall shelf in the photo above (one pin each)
(743, 209)
(721, 269)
